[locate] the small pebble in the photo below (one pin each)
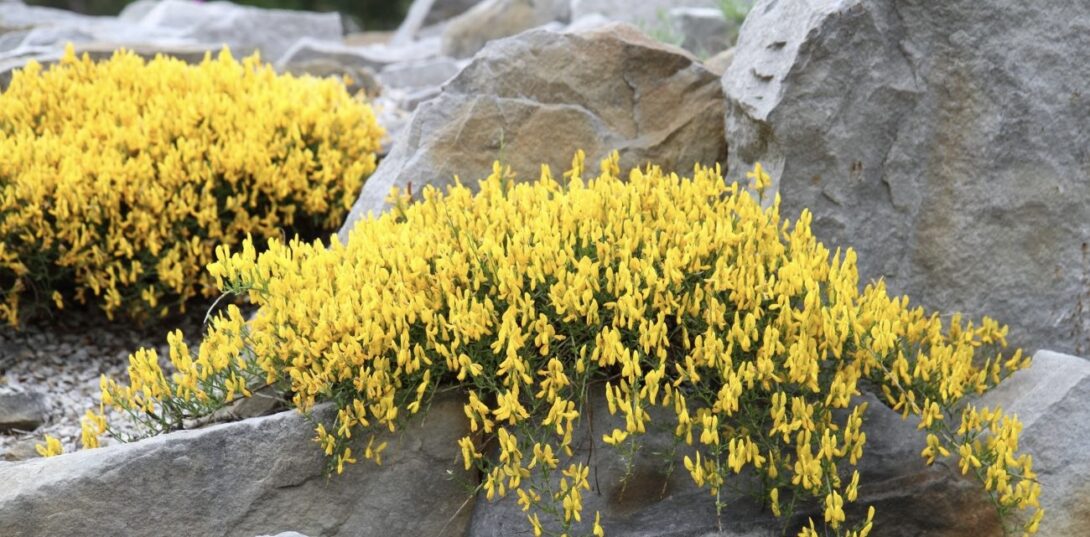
(23, 411)
(61, 360)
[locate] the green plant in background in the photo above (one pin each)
(662, 30)
(658, 291)
(735, 11)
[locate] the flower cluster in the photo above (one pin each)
(119, 178)
(51, 448)
(679, 293)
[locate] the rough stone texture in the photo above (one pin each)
(910, 498)
(257, 476)
(1052, 400)
(703, 30)
(244, 29)
(946, 142)
(494, 19)
(538, 97)
(187, 53)
(659, 497)
(24, 411)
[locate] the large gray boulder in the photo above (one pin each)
(540, 96)
(945, 141)
(181, 28)
(910, 498)
(26, 31)
(243, 28)
(1052, 400)
(253, 477)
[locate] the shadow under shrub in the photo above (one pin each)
(681, 293)
(118, 179)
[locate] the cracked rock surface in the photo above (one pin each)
(946, 142)
(254, 477)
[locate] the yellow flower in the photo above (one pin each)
(126, 193)
(1035, 522)
(834, 509)
(614, 438)
(598, 530)
(535, 523)
(761, 179)
(667, 294)
(51, 448)
(91, 426)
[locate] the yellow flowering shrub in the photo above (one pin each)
(682, 293)
(119, 178)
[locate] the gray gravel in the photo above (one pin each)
(62, 358)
